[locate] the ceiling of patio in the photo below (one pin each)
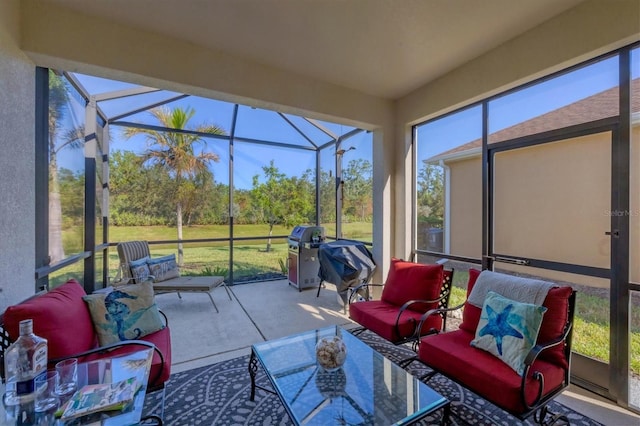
(383, 48)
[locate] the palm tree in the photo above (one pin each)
(175, 152)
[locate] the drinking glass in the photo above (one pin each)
(67, 378)
(47, 402)
(10, 404)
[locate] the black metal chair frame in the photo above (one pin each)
(442, 300)
(539, 407)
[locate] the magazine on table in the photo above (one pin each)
(101, 397)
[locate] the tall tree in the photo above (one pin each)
(358, 188)
(327, 196)
(430, 195)
(72, 138)
(176, 153)
(280, 199)
(138, 192)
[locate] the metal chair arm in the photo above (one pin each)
(354, 290)
(537, 349)
(406, 306)
(439, 311)
(166, 320)
(106, 348)
(536, 375)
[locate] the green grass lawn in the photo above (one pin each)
(249, 256)
(356, 230)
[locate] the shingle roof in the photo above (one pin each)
(595, 107)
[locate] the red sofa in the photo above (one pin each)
(546, 366)
(62, 317)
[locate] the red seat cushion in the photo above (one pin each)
(60, 316)
(412, 281)
(483, 373)
(380, 317)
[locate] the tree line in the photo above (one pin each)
(144, 194)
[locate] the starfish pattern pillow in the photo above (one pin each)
(508, 329)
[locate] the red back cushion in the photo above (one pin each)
(60, 316)
(412, 281)
(471, 313)
(557, 304)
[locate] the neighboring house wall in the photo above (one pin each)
(559, 193)
(465, 229)
(17, 183)
(552, 202)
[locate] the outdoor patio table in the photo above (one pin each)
(368, 389)
(109, 370)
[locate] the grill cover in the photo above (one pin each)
(345, 264)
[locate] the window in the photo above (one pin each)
(448, 184)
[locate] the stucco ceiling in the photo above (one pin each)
(385, 48)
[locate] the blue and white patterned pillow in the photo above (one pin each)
(163, 268)
(508, 329)
(127, 312)
(139, 270)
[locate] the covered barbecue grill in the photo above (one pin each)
(346, 264)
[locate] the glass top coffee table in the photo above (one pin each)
(368, 389)
(110, 370)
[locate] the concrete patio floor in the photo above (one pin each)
(268, 310)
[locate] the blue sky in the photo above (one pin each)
(466, 125)
(252, 123)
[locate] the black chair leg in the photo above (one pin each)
(545, 417)
(356, 330)
(405, 362)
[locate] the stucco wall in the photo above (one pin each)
(17, 187)
(466, 207)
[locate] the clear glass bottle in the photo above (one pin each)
(24, 360)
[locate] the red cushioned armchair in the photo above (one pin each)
(546, 366)
(62, 317)
(411, 289)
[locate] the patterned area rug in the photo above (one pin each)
(218, 394)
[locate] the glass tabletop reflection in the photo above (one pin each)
(368, 389)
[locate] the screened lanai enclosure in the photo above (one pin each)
(218, 184)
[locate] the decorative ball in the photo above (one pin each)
(331, 353)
